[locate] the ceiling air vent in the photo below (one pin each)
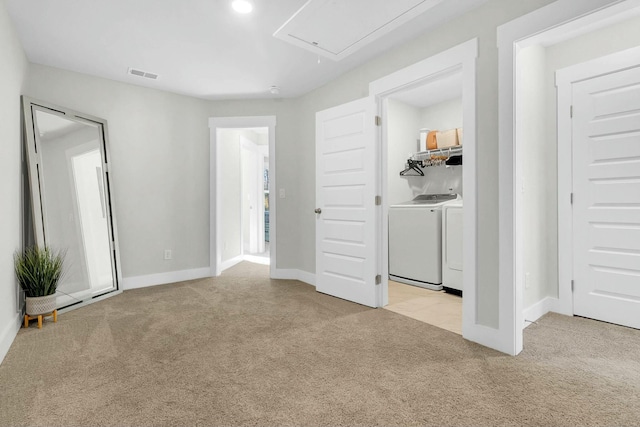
(144, 74)
(336, 29)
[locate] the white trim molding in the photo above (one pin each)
(560, 19)
(215, 201)
(306, 277)
(136, 282)
(8, 335)
(293, 274)
(231, 262)
(537, 310)
(565, 188)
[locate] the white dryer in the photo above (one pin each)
(415, 240)
(452, 238)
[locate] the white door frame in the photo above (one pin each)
(561, 18)
(565, 78)
(461, 57)
(215, 196)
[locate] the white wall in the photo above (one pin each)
(160, 147)
(444, 115)
(540, 231)
(252, 162)
(13, 68)
(160, 169)
(231, 187)
(403, 123)
(247, 159)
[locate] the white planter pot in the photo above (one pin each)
(40, 305)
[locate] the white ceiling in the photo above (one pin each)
(336, 29)
(200, 48)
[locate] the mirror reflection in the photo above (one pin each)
(74, 205)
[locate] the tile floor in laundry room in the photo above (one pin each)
(437, 308)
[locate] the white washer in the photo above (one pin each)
(415, 240)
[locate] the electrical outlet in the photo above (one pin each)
(527, 280)
(167, 254)
(282, 193)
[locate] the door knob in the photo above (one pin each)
(318, 211)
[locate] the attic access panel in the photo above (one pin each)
(338, 28)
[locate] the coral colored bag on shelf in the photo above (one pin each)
(432, 143)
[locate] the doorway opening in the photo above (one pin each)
(537, 191)
(243, 174)
(255, 203)
(245, 190)
(425, 197)
(453, 109)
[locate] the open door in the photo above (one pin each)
(346, 226)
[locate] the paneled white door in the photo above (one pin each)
(346, 227)
(606, 187)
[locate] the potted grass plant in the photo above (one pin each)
(38, 271)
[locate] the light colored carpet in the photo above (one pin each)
(244, 350)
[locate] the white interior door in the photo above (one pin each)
(346, 237)
(606, 186)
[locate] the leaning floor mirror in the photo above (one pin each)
(71, 198)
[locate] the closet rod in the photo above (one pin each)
(448, 151)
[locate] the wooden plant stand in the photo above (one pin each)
(54, 313)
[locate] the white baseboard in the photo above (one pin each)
(8, 335)
(231, 262)
(537, 310)
(136, 282)
(487, 336)
(293, 274)
(306, 277)
(285, 273)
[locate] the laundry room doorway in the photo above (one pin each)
(442, 89)
(243, 212)
(424, 133)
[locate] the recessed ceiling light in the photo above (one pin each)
(242, 6)
(275, 90)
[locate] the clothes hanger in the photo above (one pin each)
(412, 165)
